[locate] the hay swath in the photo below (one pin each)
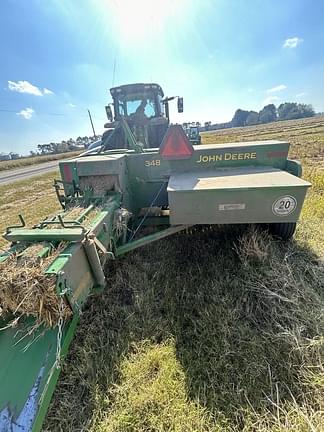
(108, 197)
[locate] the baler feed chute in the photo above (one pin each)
(47, 275)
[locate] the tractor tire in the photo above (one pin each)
(283, 230)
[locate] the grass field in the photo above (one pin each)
(35, 199)
(214, 331)
(20, 163)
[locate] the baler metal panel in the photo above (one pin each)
(28, 375)
(100, 165)
(151, 166)
(241, 195)
(148, 168)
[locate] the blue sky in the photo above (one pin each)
(58, 56)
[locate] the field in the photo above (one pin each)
(203, 332)
(306, 137)
(20, 163)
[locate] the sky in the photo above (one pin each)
(60, 57)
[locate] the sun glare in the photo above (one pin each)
(141, 20)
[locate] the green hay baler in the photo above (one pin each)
(122, 192)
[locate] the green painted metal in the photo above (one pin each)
(234, 196)
(16, 248)
(149, 239)
(294, 167)
(132, 143)
(32, 235)
(28, 374)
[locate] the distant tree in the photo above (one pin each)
(198, 124)
(207, 125)
(14, 156)
(252, 118)
(268, 114)
(239, 118)
(287, 110)
(306, 110)
(292, 110)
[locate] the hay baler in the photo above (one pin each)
(119, 194)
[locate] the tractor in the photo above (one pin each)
(146, 111)
(192, 132)
(145, 173)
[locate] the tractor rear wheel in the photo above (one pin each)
(284, 230)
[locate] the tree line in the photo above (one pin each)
(65, 145)
(269, 113)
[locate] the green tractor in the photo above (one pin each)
(145, 173)
(192, 132)
(146, 111)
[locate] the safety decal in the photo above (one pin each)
(284, 205)
(231, 207)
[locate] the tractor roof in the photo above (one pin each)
(136, 88)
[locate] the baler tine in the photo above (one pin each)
(123, 190)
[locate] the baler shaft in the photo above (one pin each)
(94, 261)
(127, 247)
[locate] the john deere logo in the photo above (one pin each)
(285, 205)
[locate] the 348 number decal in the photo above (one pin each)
(153, 162)
(285, 205)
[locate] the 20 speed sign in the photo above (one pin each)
(285, 205)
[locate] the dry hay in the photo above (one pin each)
(26, 291)
(253, 246)
(100, 184)
(72, 214)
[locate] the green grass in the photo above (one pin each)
(20, 163)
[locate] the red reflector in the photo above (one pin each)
(67, 172)
(175, 144)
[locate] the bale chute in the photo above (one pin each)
(46, 277)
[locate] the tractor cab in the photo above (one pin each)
(145, 110)
(138, 102)
(193, 134)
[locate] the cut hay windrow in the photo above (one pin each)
(25, 290)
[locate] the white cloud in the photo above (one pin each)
(271, 99)
(27, 87)
(277, 88)
(71, 105)
(292, 42)
(24, 87)
(26, 113)
(299, 95)
(47, 91)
